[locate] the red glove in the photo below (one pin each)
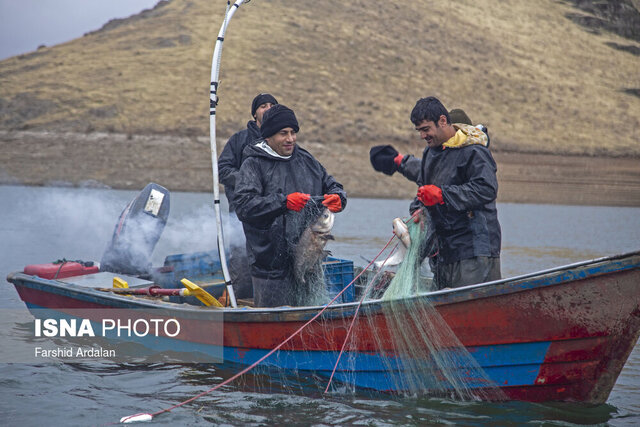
(430, 195)
(332, 202)
(296, 201)
(398, 159)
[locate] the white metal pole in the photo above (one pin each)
(215, 68)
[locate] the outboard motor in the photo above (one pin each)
(137, 231)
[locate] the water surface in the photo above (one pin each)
(39, 225)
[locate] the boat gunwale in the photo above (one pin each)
(548, 277)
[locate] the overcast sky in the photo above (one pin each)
(27, 24)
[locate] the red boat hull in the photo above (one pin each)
(560, 335)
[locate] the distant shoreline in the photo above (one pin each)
(184, 164)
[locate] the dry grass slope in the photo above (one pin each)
(352, 71)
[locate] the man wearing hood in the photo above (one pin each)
(231, 159)
(457, 198)
(276, 180)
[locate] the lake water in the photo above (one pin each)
(43, 224)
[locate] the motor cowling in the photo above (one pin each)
(137, 232)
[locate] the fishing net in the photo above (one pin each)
(407, 281)
(417, 352)
(307, 234)
(397, 343)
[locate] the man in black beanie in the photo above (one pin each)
(231, 157)
(228, 167)
(276, 180)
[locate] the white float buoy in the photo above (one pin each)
(136, 418)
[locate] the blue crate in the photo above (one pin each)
(338, 273)
(193, 266)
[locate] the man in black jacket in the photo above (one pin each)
(230, 159)
(386, 159)
(458, 191)
(276, 180)
(229, 164)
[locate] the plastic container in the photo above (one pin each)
(60, 270)
(338, 273)
(202, 268)
(194, 266)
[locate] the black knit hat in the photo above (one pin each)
(263, 98)
(277, 118)
(382, 159)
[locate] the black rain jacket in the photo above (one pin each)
(466, 225)
(231, 159)
(262, 187)
(411, 166)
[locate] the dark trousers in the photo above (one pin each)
(467, 272)
(273, 292)
(238, 260)
(240, 272)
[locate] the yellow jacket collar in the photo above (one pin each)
(466, 135)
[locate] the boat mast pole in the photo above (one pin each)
(213, 102)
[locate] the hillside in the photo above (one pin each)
(556, 82)
(531, 71)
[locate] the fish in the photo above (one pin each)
(401, 231)
(310, 250)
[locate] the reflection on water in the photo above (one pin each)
(40, 225)
(550, 252)
(523, 259)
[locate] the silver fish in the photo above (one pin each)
(401, 230)
(309, 251)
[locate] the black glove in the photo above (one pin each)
(382, 159)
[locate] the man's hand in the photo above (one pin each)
(332, 202)
(296, 201)
(398, 159)
(430, 195)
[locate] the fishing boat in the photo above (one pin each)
(562, 334)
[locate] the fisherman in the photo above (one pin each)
(386, 159)
(230, 159)
(457, 198)
(229, 164)
(275, 182)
